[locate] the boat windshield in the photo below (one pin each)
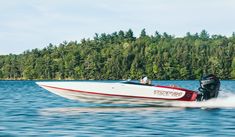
(135, 83)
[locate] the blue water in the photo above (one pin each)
(27, 110)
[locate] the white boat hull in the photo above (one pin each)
(117, 93)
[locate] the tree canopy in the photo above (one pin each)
(121, 55)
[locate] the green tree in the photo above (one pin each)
(143, 33)
(233, 69)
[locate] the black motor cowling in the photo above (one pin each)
(209, 87)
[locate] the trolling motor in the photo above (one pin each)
(209, 87)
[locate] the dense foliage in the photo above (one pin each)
(120, 55)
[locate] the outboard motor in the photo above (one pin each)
(209, 87)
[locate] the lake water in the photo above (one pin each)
(28, 110)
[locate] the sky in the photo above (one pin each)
(29, 24)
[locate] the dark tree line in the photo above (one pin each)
(121, 55)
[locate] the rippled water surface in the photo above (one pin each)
(28, 110)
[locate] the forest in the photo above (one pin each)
(122, 55)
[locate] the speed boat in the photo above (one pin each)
(131, 92)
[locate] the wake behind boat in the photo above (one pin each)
(128, 92)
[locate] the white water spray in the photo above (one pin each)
(226, 99)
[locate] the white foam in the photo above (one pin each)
(226, 99)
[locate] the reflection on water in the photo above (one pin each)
(78, 110)
(225, 101)
(27, 110)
